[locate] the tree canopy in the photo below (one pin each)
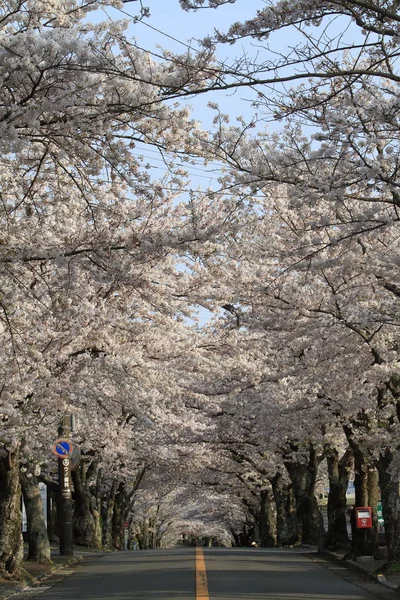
(293, 252)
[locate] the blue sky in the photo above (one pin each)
(173, 29)
(167, 16)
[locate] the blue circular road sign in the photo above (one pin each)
(62, 448)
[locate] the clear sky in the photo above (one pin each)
(168, 17)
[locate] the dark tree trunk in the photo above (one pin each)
(390, 499)
(389, 485)
(361, 541)
(242, 538)
(288, 530)
(303, 478)
(115, 508)
(11, 543)
(107, 511)
(153, 533)
(373, 498)
(118, 518)
(154, 529)
(366, 491)
(52, 516)
(267, 520)
(237, 539)
(145, 535)
(339, 473)
(360, 477)
(86, 518)
(38, 540)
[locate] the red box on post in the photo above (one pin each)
(363, 517)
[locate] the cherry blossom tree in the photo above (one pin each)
(87, 253)
(102, 266)
(323, 195)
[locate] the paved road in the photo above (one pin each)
(231, 574)
(281, 575)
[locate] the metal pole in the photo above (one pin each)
(365, 542)
(65, 499)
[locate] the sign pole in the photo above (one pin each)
(365, 542)
(65, 498)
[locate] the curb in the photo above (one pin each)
(354, 566)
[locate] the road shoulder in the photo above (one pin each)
(41, 576)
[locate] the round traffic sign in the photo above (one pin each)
(62, 448)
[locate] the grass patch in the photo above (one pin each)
(391, 569)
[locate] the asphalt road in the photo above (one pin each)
(231, 574)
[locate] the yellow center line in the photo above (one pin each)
(201, 576)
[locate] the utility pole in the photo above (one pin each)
(65, 497)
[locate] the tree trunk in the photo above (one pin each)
(390, 505)
(360, 539)
(363, 543)
(373, 499)
(38, 540)
(154, 528)
(339, 474)
(118, 518)
(86, 518)
(145, 536)
(153, 524)
(52, 517)
(266, 520)
(303, 478)
(11, 543)
(389, 485)
(107, 510)
(288, 530)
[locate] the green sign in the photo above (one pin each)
(380, 514)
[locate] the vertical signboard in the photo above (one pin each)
(63, 449)
(65, 507)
